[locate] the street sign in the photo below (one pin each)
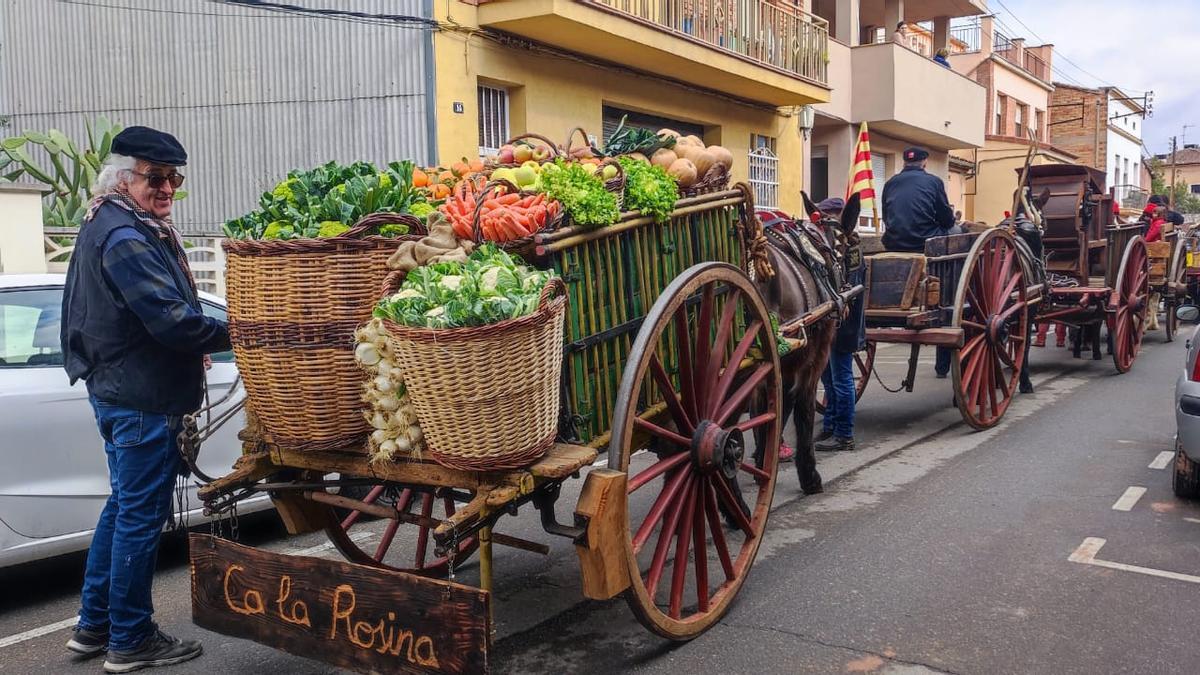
(347, 615)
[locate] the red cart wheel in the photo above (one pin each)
(1128, 304)
(864, 361)
(702, 390)
(992, 309)
(391, 550)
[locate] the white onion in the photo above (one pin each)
(388, 447)
(388, 403)
(379, 436)
(403, 444)
(378, 421)
(383, 384)
(366, 354)
(415, 433)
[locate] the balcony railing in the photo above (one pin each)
(1035, 66)
(968, 36)
(1131, 196)
(786, 38)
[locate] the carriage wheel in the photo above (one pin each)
(992, 309)
(1174, 281)
(864, 361)
(701, 391)
(391, 550)
(1128, 305)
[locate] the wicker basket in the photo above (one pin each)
(480, 408)
(532, 140)
(293, 308)
(716, 180)
(524, 247)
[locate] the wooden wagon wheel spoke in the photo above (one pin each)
(679, 506)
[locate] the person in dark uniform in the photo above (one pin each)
(837, 428)
(915, 208)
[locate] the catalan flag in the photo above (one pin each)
(862, 179)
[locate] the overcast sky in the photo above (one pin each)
(1138, 46)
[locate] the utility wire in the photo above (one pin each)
(400, 19)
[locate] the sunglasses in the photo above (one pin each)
(156, 180)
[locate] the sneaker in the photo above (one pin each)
(835, 444)
(942, 376)
(786, 452)
(87, 642)
(825, 434)
(159, 649)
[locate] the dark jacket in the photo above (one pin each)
(132, 326)
(915, 208)
(851, 334)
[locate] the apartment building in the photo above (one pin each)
(1186, 163)
(1103, 127)
(1018, 99)
(904, 96)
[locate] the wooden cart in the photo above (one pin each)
(977, 294)
(671, 367)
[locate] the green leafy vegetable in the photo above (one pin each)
(781, 343)
(490, 287)
(636, 139)
(649, 189)
(581, 194)
(307, 202)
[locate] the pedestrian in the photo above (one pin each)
(841, 391)
(942, 57)
(901, 34)
(915, 208)
(1154, 222)
(134, 331)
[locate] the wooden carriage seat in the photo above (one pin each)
(895, 281)
(1160, 258)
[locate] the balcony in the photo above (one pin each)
(903, 94)
(755, 50)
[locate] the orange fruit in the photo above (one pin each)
(420, 178)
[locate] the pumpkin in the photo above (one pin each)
(722, 155)
(664, 158)
(704, 161)
(684, 172)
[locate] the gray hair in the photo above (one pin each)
(116, 170)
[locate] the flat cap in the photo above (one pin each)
(831, 204)
(915, 154)
(150, 145)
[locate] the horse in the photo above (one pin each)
(809, 258)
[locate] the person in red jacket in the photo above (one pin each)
(1156, 216)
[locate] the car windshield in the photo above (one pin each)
(29, 321)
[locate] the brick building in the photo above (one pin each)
(1103, 127)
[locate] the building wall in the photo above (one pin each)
(551, 94)
(1087, 137)
(249, 93)
(1124, 143)
(1018, 89)
(21, 247)
(990, 193)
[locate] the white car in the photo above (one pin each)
(53, 471)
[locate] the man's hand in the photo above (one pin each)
(207, 362)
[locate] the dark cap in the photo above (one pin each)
(831, 204)
(150, 145)
(1158, 199)
(915, 154)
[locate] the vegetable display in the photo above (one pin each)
(390, 411)
(503, 216)
(490, 287)
(326, 200)
(649, 189)
(582, 194)
(626, 140)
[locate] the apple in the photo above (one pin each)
(533, 165)
(609, 172)
(590, 168)
(541, 153)
(524, 176)
(506, 155)
(522, 154)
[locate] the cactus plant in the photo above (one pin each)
(71, 171)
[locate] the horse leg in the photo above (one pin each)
(1094, 333)
(1077, 342)
(805, 410)
(1026, 385)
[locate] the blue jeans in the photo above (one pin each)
(143, 461)
(838, 379)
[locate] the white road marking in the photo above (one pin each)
(1127, 500)
(321, 548)
(38, 632)
(1086, 555)
(1192, 520)
(1163, 460)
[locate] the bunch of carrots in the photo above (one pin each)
(504, 216)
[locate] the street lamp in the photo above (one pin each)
(805, 118)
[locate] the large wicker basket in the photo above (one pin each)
(293, 308)
(487, 397)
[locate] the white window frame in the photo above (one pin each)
(764, 175)
(494, 118)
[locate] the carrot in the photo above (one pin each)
(509, 199)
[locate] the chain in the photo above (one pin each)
(898, 389)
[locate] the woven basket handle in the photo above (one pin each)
(373, 221)
(553, 288)
(554, 150)
(391, 283)
(482, 196)
(570, 139)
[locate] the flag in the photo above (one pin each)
(862, 179)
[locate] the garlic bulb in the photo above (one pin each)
(388, 409)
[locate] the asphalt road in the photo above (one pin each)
(934, 549)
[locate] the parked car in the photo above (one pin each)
(53, 471)
(1186, 476)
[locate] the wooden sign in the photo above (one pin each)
(347, 615)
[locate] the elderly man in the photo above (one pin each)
(915, 208)
(134, 331)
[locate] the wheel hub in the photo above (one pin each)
(715, 449)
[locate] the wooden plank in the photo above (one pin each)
(562, 460)
(941, 337)
(350, 616)
(247, 470)
(602, 553)
(892, 280)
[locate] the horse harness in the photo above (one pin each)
(806, 243)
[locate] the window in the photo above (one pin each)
(493, 119)
(764, 171)
(1135, 125)
(1001, 104)
(1019, 122)
(217, 312)
(612, 115)
(1117, 170)
(1196, 188)
(1128, 176)
(1039, 124)
(29, 322)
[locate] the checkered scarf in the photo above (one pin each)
(162, 227)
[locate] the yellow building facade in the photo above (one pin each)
(548, 66)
